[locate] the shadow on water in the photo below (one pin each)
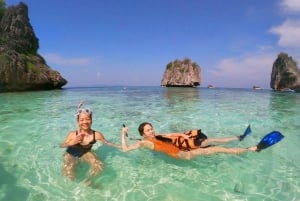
(9, 190)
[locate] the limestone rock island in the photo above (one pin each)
(21, 67)
(285, 74)
(182, 74)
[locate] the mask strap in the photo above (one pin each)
(79, 105)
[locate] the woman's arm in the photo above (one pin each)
(138, 144)
(100, 137)
(110, 144)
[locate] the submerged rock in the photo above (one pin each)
(182, 74)
(285, 74)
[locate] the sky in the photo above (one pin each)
(130, 42)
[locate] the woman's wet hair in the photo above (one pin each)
(141, 127)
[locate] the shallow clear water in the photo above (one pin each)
(33, 124)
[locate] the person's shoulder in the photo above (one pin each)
(98, 135)
(97, 132)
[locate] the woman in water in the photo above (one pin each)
(166, 143)
(79, 145)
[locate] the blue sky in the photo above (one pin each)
(130, 42)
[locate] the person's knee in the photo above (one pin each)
(96, 167)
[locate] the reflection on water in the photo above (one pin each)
(285, 105)
(178, 94)
(180, 104)
(285, 102)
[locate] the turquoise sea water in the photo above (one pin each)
(33, 124)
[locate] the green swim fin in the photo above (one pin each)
(269, 140)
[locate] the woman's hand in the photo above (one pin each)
(76, 140)
(125, 131)
(72, 139)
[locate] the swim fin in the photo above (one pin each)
(269, 140)
(247, 132)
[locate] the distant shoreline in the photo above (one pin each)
(153, 86)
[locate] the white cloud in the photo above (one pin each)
(255, 69)
(243, 72)
(289, 30)
(289, 33)
(290, 5)
(60, 60)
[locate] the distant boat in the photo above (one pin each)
(210, 86)
(256, 87)
(287, 90)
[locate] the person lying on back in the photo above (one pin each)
(179, 145)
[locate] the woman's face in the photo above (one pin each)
(148, 131)
(84, 121)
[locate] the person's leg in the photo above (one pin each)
(96, 165)
(209, 141)
(213, 150)
(69, 166)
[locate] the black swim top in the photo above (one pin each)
(78, 150)
(91, 142)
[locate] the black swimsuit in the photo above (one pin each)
(78, 150)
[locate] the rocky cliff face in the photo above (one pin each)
(182, 74)
(21, 67)
(285, 73)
